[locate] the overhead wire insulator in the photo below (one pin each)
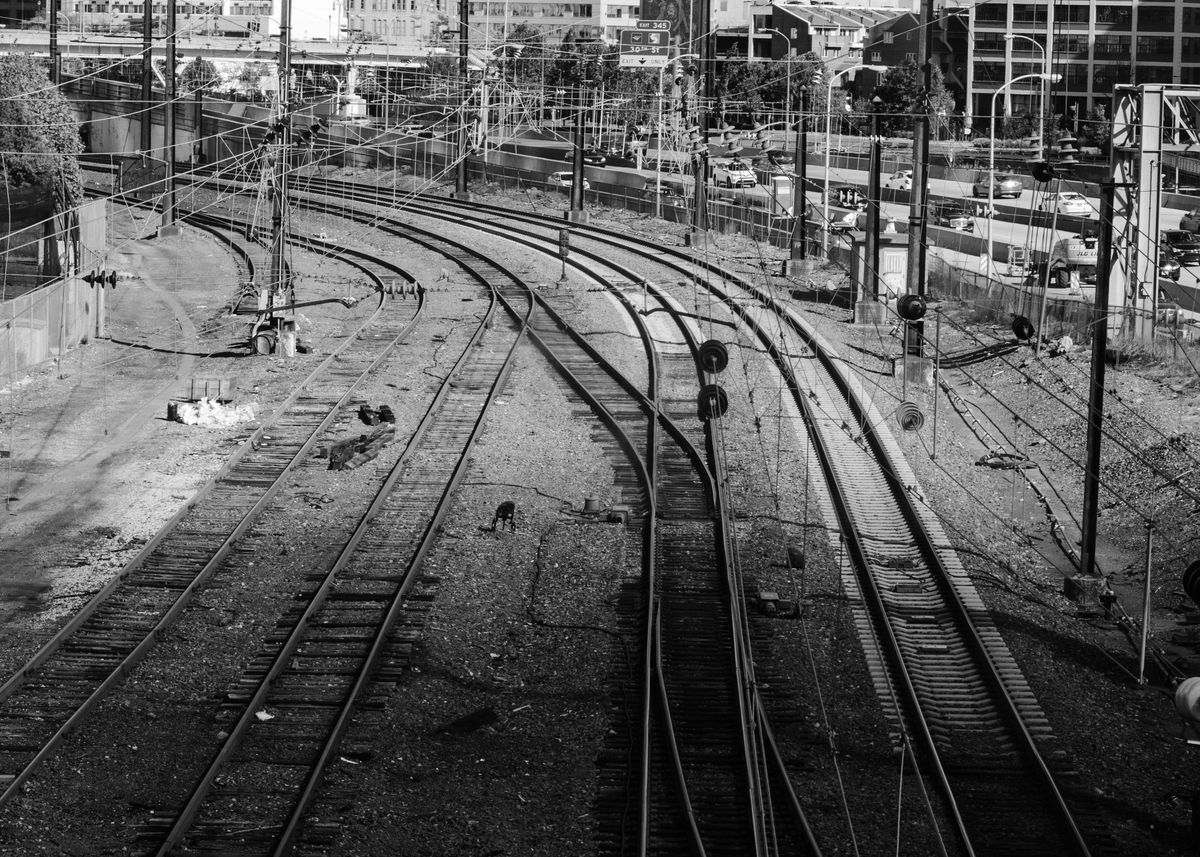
(714, 357)
(909, 416)
(711, 402)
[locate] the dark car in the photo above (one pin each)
(951, 214)
(1003, 184)
(591, 157)
(1184, 246)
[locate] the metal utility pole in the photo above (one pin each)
(55, 58)
(1091, 467)
(460, 173)
(577, 152)
(279, 273)
(146, 124)
(168, 213)
(917, 223)
(799, 246)
(874, 204)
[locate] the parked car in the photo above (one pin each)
(734, 173)
(848, 196)
(1190, 222)
(1168, 265)
(1070, 203)
(901, 180)
(952, 214)
(564, 180)
(1183, 245)
(1003, 184)
(591, 157)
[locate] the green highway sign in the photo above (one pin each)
(645, 47)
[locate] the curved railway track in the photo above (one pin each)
(960, 705)
(956, 699)
(60, 684)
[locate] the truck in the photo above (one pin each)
(1072, 266)
(733, 173)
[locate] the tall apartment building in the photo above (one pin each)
(1096, 45)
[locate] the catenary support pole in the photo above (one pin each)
(1091, 467)
(145, 122)
(917, 221)
(55, 56)
(874, 206)
(168, 212)
(799, 246)
(460, 173)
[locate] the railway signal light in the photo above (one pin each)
(1042, 171)
(911, 307)
(1022, 328)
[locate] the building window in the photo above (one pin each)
(876, 56)
(910, 57)
(1154, 73)
(1160, 18)
(1029, 13)
(1120, 16)
(889, 37)
(1112, 47)
(1154, 46)
(1077, 14)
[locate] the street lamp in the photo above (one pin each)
(1052, 78)
(1008, 37)
(828, 116)
(787, 110)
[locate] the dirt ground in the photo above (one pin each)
(94, 468)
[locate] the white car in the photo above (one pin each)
(564, 179)
(899, 181)
(1069, 202)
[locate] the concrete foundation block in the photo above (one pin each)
(870, 312)
(1085, 590)
(913, 369)
(578, 216)
(800, 267)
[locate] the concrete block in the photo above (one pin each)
(913, 369)
(870, 312)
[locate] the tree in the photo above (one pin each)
(200, 75)
(903, 94)
(39, 137)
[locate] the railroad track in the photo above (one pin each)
(958, 704)
(958, 701)
(41, 703)
(294, 702)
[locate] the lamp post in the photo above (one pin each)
(1008, 37)
(1053, 78)
(828, 116)
(787, 110)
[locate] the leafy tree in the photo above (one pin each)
(903, 94)
(39, 137)
(199, 75)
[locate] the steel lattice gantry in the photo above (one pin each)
(1149, 120)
